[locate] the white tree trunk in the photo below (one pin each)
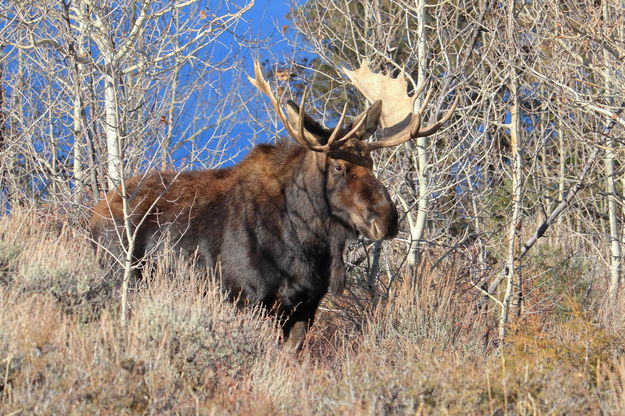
(78, 145)
(417, 230)
(77, 113)
(169, 125)
(613, 211)
(512, 279)
(113, 144)
(562, 155)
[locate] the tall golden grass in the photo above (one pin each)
(425, 348)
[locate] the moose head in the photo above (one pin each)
(354, 194)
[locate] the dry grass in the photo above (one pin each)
(425, 349)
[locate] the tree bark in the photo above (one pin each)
(513, 279)
(417, 230)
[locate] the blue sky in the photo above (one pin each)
(265, 13)
(263, 22)
(265, 19)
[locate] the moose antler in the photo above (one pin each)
(397, 105)
(298, 135)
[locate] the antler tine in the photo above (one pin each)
(337, 129)
(300, 117)
(426, 100)
(434, 127)
(349, 134)
(400, 137)
(414, 129)
(263, 86)
(428, 95)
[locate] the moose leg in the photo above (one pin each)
(296, 327)
(295, 338)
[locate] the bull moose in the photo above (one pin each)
(278, 221)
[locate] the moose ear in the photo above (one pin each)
(313, 130)
(372, 120)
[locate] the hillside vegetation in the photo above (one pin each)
(502, 294)
(424, 349)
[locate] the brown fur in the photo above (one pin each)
(277, 222)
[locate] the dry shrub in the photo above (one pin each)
(413, 344)
(437, 305)
(556, 365)
(421, 349)
(424, 350)
(565, 367)
(203, 332)
(38, 258)
(184, 350)
(614, 378)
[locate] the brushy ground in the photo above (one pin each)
(423, 349)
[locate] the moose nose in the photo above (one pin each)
(382, 224)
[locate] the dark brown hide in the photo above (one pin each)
(277, 222)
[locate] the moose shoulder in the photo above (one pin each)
(277, 222)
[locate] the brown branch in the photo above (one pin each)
(553, 216)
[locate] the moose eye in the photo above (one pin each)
(338, 168)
